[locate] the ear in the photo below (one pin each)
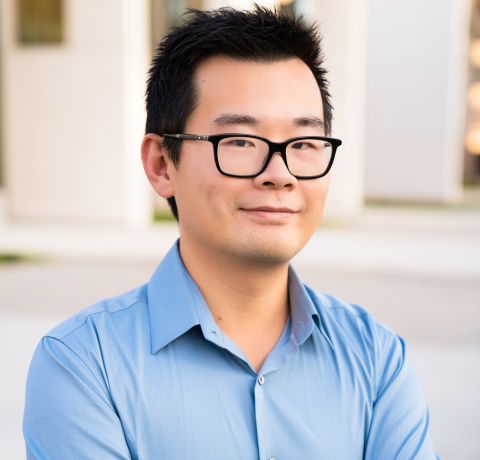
(157, 165)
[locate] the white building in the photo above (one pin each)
(73, 78)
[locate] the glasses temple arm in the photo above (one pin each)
(187, 137)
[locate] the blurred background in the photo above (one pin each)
(401, 232)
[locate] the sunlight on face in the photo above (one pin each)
(269, 218)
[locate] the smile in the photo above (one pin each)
(270, 213)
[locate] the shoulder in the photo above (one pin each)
(90, 344)
(355, 332)
(96, 340)
(109, 310)
(347, 316)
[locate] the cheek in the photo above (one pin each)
(221, 195)
(203, 192)
(315, 194)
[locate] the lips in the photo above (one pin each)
(269, 209)
(270, 213)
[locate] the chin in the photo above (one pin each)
(269, 250)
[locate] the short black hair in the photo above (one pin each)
(259, 35)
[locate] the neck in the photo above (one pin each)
(248, 301)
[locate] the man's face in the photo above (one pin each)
(269, 218)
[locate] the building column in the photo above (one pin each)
(73, 115)
(344, 27)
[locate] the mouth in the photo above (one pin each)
(270, 213)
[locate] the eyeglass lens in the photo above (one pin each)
(245, 156)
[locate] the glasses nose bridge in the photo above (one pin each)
(277, 147)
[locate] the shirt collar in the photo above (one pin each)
(303, 312)
(171, 308)
(175, 305)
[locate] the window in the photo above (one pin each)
(40, 21)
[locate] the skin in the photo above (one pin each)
(237, 235)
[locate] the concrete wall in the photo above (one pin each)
(416, 99)
(73, 115)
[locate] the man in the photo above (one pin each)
(225, 353)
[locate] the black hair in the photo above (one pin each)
(260, 35)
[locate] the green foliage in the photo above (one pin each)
(164, 216)
(5, 258)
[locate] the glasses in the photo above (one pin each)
(241, 155)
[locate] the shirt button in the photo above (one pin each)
(261, 381)
(272, 458)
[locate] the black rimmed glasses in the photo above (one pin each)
(243, 155)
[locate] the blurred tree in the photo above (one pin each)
(288, 6)
(168, 13)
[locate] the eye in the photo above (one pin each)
(241, 143)
(301, 145)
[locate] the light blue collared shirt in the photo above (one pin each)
(149, 375)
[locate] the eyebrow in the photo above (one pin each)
(247, 120)
(312, 122)
(235, 119)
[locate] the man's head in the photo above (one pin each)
(230, 71)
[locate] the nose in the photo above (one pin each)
(276, 176)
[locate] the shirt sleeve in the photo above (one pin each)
(399, 428)
(68, 412)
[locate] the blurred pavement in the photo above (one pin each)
(417, 270)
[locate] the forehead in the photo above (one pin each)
(225, 85)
